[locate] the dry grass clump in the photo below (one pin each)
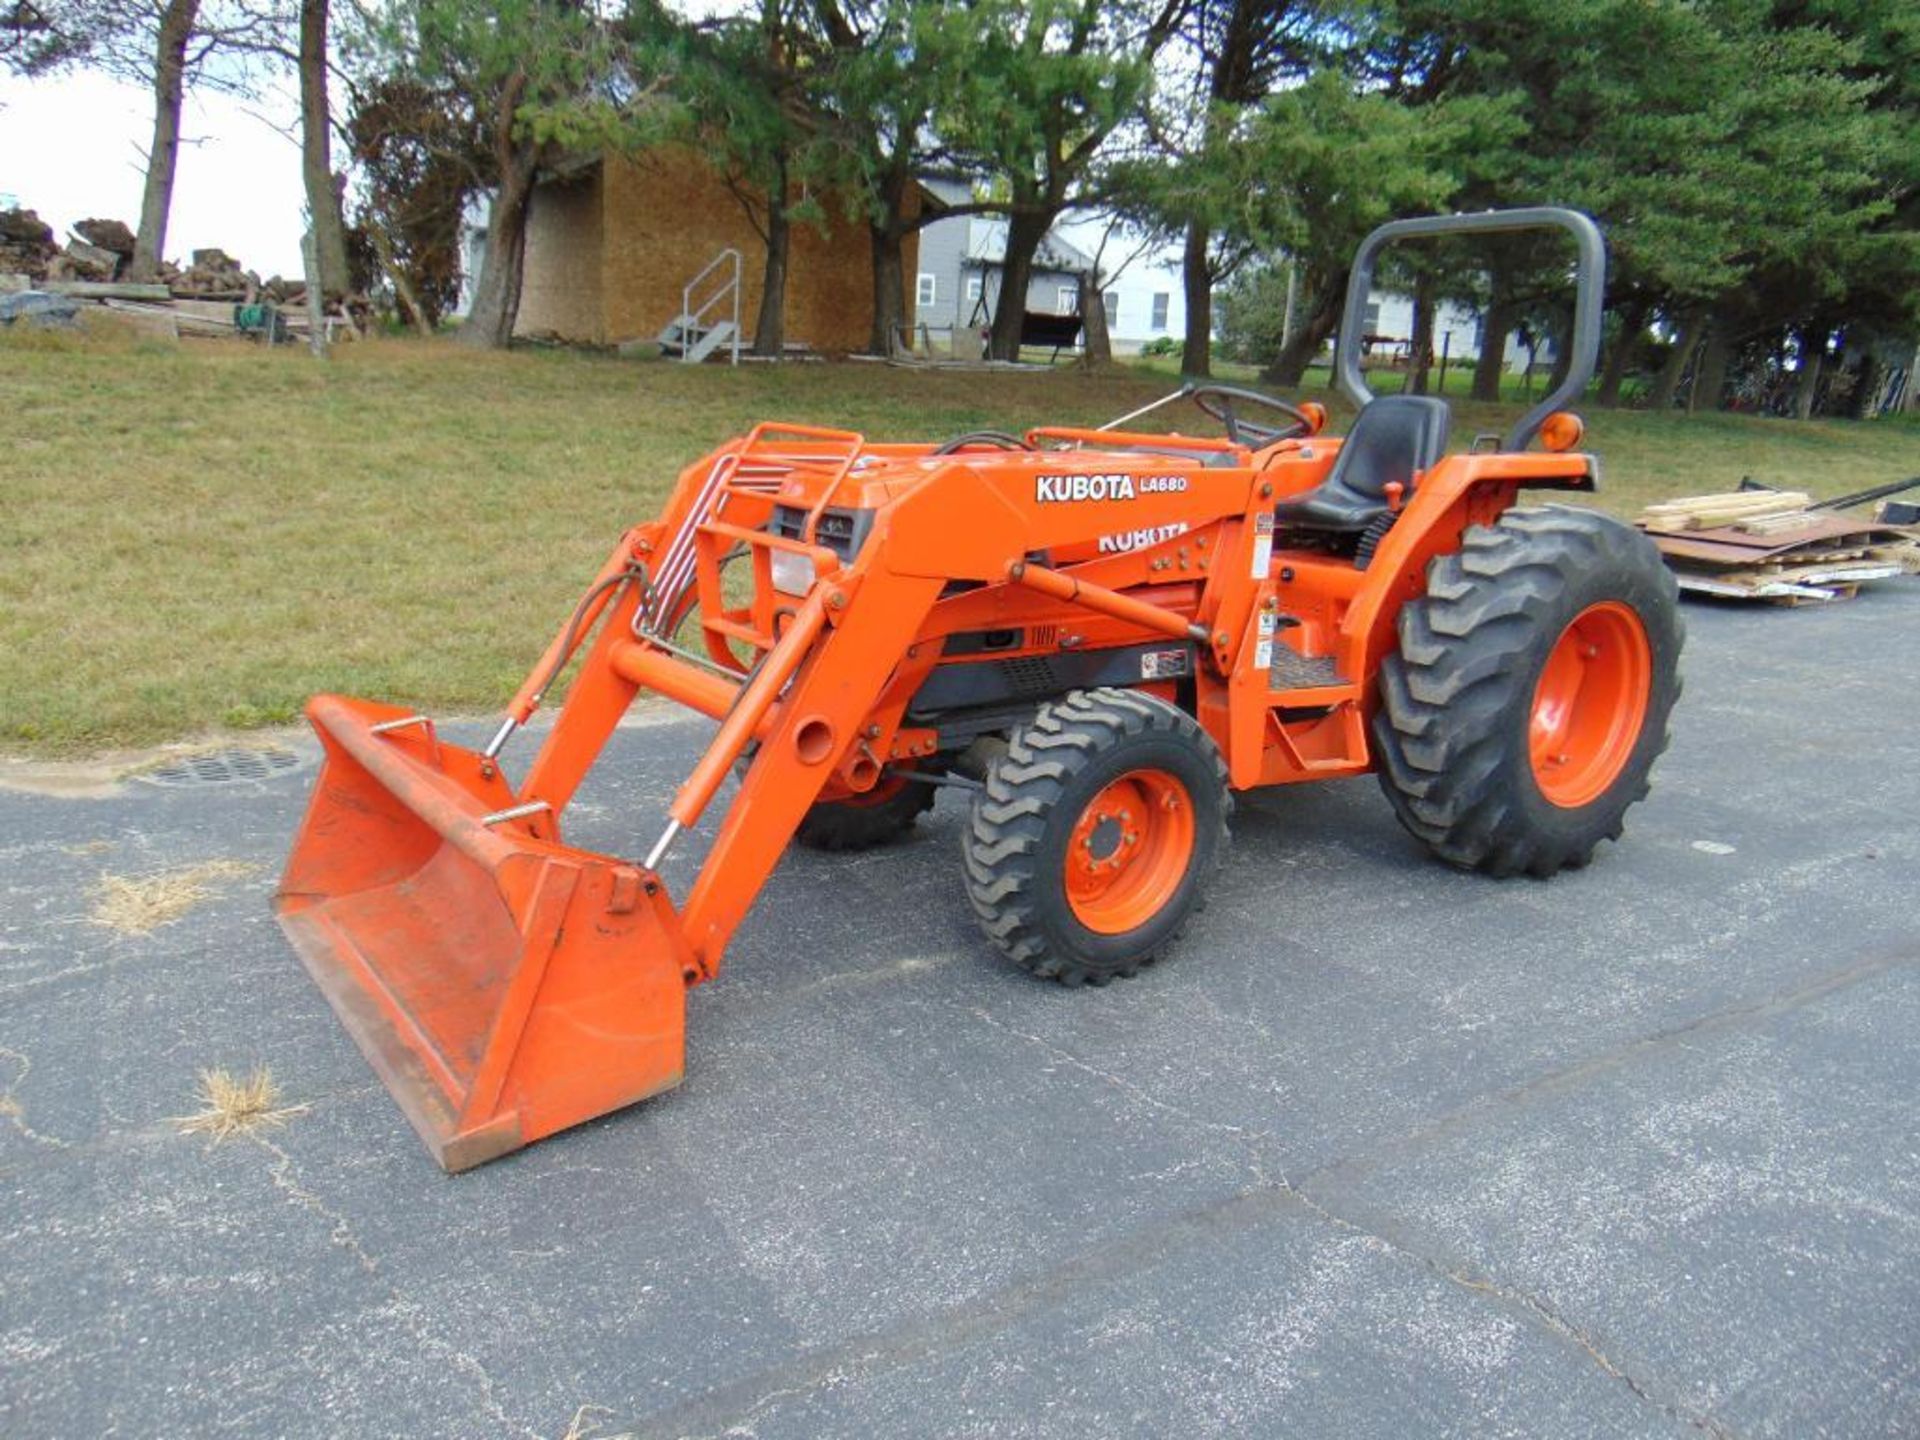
(586, 1421)
(237, 1107)
(135, 905)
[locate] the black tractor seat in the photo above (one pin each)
(1394, 439)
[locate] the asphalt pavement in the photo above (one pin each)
(1381, 1150)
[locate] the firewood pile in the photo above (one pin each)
(97, 250)
(26, 244)
(1779, 545)
(216, 275)
(197, 298)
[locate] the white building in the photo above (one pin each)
(1145, 298)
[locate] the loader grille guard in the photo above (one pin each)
(1002, 611)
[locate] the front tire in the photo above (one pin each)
(1530, 695)
(1091, 843)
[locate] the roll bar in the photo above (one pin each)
(1590, 285)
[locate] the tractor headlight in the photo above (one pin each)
(793, 573)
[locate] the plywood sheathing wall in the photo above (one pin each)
(560, 292)
(668, 213)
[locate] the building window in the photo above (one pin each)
(1161, 300)
(1372, 323)
(973, 289)
(929, 289)
(1069, 299)
(1110, 302)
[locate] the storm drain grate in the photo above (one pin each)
(224, 767)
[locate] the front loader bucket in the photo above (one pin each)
(503, 985)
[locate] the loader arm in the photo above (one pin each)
(506, 985)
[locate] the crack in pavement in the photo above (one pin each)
(1572, 1077)
(1539, 1309)
(135, 1135)
(11, 1109)
(1146, 1097)
(721, 1408)
(407, 1311)
(725, 1409)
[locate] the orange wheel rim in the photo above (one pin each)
(880, 794)
(1590, 704)
(1129, 851)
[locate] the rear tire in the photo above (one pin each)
(1530, 695)
(1090, 845)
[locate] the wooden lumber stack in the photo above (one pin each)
(1712, 512)
(1775, 546)
(85, 289)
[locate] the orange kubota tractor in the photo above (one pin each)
(1099, 635)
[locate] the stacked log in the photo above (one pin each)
(26, 244)
(93, 267)
(215, 275)
(110, 235)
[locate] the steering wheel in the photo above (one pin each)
(982, 439)
(1217, 401)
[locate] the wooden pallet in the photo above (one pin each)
(1772, 546)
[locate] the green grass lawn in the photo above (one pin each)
(1515, 390)
(198, 535)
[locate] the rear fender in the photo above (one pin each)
(1460, 491)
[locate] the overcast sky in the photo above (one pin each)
(74, 147)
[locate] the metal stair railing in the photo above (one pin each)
(692, 319)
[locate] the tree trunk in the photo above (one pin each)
(1289, 315)
(1671, 374)
(1025, 230)
(1491, 364)
(1314, 322)
(770, 330)
(316, 155)
(889, 289)
(1710, 378)
(316, 299)
(1196, 358)
(169, 89)
(496, 296)
(402, 287)
(1093, 320)
(1562, 354)
(1863, 404)
(1813, 355)
(1421, 357)
(1614, 374)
